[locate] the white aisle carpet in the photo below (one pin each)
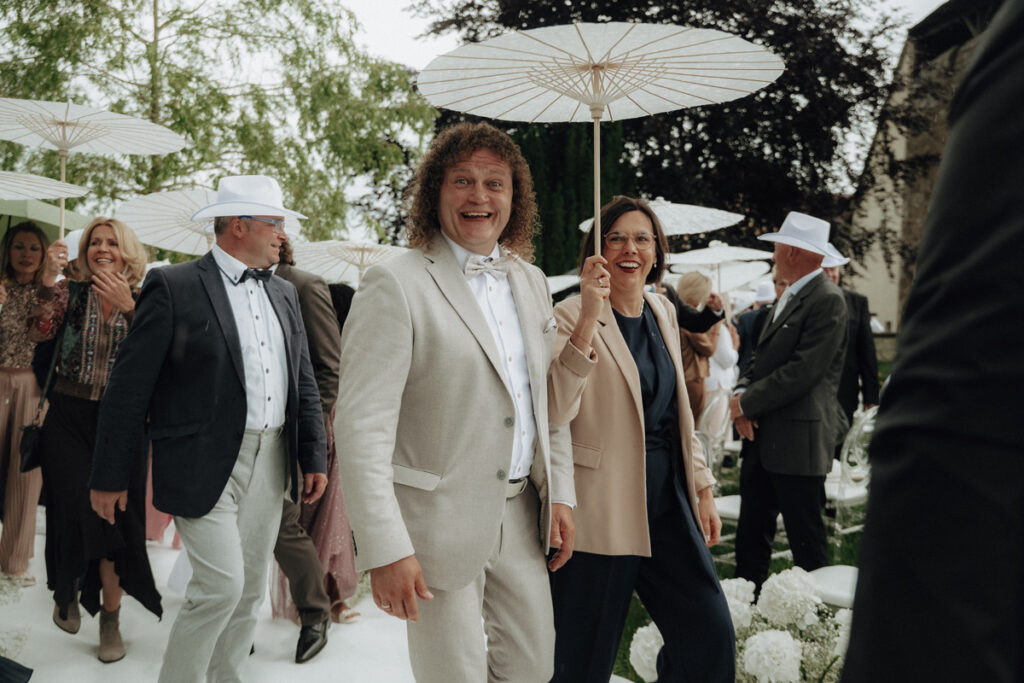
(372, 650)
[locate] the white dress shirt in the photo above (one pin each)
(264, 355)
(494, 295)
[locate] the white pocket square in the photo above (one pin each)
(551, 324)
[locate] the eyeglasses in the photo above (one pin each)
(644, 241)
(276, 223)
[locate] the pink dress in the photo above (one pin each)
(326, 522)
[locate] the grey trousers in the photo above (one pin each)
(229, 549)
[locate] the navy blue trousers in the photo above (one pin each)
(678, 586)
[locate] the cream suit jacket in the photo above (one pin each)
(601, 399)
(425, 420)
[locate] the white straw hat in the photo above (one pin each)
(803, 232)
(246, 195)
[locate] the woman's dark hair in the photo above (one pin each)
(452, 145)
(613, 211)
(8, 240)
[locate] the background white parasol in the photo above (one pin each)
(584, 72)
(340, 261)
(164, 219)
(27, 186)
(714, 256)
(728, 276)
(65, 127)
(685, 219)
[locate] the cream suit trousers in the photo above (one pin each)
(229, 549)
(447, 644)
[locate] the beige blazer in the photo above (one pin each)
(601, 400)
(425, 419)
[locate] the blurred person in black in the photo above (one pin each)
(940, 595)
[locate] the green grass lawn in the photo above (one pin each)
(843, 551)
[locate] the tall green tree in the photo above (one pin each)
(786, 147)
(255, 86)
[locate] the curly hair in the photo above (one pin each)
(450, 146)
(132, 251)
(613, 211)
(8, 241)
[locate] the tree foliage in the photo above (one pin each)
(794, 145)
(255, 86)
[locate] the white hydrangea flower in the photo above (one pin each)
(843, 619)
(742, 613)
(740, 590)
(790, 597)
(643, 651)
(772, 657)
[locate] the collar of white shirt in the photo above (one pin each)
(795, 288)
(462, 254)
(228, 264)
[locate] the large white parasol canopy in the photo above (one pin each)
(591, 72)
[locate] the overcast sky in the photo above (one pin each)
(389, 31)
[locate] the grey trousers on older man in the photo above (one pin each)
(229, 549)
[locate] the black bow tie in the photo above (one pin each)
(257, 274)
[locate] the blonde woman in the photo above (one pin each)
(83, 552)
(697, 347)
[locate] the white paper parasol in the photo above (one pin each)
(164, 219)
(28, 186)
(591, 72)
(685, 219)
(728, 276)
(715, 255)
(339, 261)
(66, 127)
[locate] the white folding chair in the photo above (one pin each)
(836, 584)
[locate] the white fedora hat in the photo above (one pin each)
(765, 292)
(803, 232)
(246, 195)
(833, 259)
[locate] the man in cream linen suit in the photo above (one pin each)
(456, 486)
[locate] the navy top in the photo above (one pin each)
(658, 393)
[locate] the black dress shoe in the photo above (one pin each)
(312, 639)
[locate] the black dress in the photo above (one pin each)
(76, 537)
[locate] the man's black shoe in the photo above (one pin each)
(312, 639)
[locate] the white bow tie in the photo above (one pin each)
(478, 265)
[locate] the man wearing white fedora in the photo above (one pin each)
(217, 360)
(785, 405)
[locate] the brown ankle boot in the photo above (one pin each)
(111, 645)
(74, 620)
